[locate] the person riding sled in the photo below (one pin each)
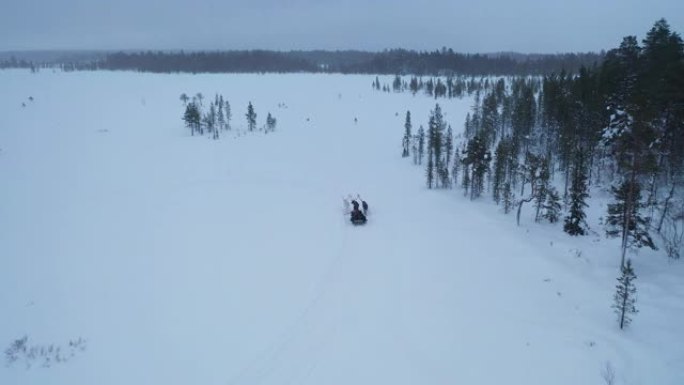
(357, 217)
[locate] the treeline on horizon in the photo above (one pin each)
(396, 61)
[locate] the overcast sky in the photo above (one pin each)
(475, 26)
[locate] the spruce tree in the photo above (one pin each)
(541, 189)
(251, 117)
(221, 120)
(625, 220)
(396, 84)
(456, 164)
(507, 197)
(448, 150)
(574, 222)
(499, 177)
(421, 144)
(413, 85)
(210, 121)
(552, 205)
(477, 162)
(407, 135)
(192, 117)
(270, 123)
(625, 295)
(430, 169)
(228, 114)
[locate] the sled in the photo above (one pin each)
(358, 221)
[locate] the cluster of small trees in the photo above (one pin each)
(449, 87)
(217, 117)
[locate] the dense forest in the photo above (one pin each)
(616, 126)
(397, 61)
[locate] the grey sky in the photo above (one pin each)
(475, 26)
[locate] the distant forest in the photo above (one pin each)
(396, 61)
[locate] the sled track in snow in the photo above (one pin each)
(269, 361)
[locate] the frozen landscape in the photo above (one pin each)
(150, 256)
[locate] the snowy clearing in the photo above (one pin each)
(153, 257)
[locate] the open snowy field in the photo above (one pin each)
(148, 256)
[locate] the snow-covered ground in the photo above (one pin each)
(183, 260)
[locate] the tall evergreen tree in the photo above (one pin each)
(507, 197)
(251, 117)
(625, 295)
(624, 219)
(413, 85)
(541, 189)
(448, 150)
(270, 123)
(407, 135)
(575, 221)
(228, 114)
(501, 158)
(192, 117)
(221, 120)
(477, 162)
(396, 84)
(430, 168)
(552, 206)
(210, 121)
(421, 144)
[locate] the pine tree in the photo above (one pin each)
(413, 85)
(574, 222)
(210, 121)
(625, 295)
(430, 169)
(407, 135)
(192, 117)
(251, 117)
(220, 115)
(541, 188)
(624, 219)
(448, 150)
(228, 114)
(477, 162)
(396, 84)
(436, 143)
(270, 123)
(508, 198)
(499, 177)
(456, 166)
(421, 144)
(552, 206)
